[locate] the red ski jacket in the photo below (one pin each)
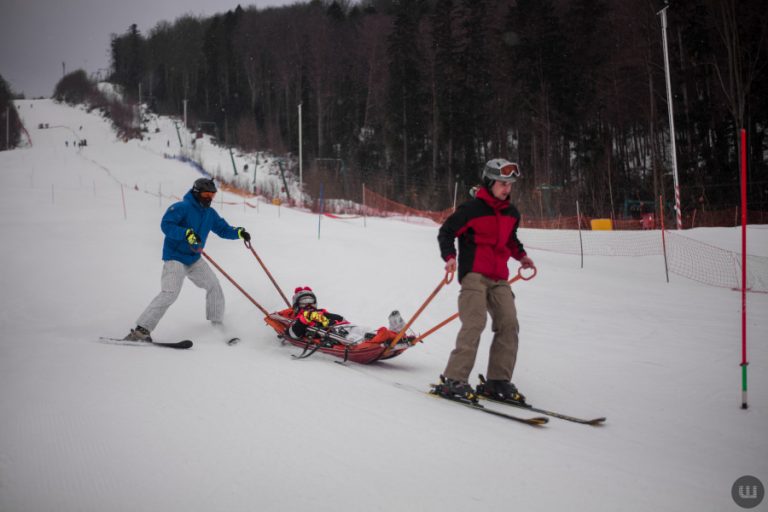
(487, 231)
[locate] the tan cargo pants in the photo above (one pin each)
(479, 295)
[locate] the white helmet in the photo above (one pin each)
(500, 169)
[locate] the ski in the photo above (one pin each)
(566, 417)
(536, 421)
(175, 344)
(527, 407)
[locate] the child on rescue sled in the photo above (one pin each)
(306, 314)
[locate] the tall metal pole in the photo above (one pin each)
(678, 212)
(185, 112)
(301, 164)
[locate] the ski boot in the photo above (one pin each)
(502, 390)
(139, 334)
(396, 322)
(450, 388)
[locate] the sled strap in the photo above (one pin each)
(456, 315)
(307, 352)
(445, 280)
(266, 313)
(266, 270)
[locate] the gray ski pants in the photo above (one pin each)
(479, 296)
(171, 280)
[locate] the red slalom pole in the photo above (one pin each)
(744, 362)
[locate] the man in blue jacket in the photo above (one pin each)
(186, 225)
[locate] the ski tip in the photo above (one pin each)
(596, 421)
(233, 341)
(177, 344)
(538, 420)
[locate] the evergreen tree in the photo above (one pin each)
(9, 126)
(128, 60)
(407, 98)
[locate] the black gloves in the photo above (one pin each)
(242, 233)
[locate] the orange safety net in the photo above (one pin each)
(377, 205)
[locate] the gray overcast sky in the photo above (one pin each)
(36, 36)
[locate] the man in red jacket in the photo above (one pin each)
(486, 227)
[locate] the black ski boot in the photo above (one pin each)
(450, 388)
(500, 390)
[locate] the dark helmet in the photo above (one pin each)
(203, 185)
(500, 169)
(303, 296)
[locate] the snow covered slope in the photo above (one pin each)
(86, 426)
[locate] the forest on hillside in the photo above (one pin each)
(411, 97)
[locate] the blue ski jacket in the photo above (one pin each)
(186, 214)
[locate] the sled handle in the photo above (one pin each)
(521, 276)
(445, 280)
(261, 308)
(456, 315)
(269, 274)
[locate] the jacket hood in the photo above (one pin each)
(497, 204)
(189, 197)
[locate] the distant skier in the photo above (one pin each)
(186, 225)
(486, 227)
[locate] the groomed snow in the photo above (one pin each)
(86, 426)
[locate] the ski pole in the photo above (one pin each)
(456, 315)
(269, 275)
(261, 308)
(445, 280)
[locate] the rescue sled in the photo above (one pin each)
(344, 340)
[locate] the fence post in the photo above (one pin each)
(122, 193)
(581, 243)
(663, 239)
(320, 213)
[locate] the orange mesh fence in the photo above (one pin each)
(377, 205)
(686, 257)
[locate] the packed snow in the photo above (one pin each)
(87, 426)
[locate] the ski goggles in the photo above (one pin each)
(207, 195)
(510, 171)
(306, 300)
